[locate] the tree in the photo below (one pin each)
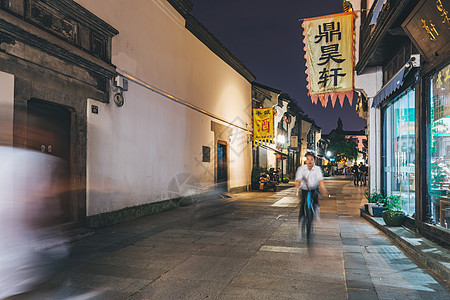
(343, 149)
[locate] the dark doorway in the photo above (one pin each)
(222, 170)
(48, 131)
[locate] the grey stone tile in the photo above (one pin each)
(286, 284)
(357, 294)
(207, 268)
(360, 282)
(232, 292)
(120, 271)
(176, 288)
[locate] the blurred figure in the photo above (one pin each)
(355, 171)
(362, 174)
(30, 245)
(309, 178)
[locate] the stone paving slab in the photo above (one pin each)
(427, 252)
(243, 248)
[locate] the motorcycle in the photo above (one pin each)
(267, 182)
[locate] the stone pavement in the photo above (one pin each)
(246, 247)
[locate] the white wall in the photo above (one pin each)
(136, 150)
(305, 127)
(6, 108)
(370, 82)
(280, 113)
(375, 155)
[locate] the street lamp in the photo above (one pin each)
(328, 153)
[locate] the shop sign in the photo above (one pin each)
(294, 141)
(428, 27)
(329, 53)
(441, 88)
(263, 125)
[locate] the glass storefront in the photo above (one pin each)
(399, 150)
(439, 148)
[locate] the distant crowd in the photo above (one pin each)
(359, 174)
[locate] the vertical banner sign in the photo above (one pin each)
(329, 54)
(263, 130)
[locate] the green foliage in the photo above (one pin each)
(375, 197)
(286, 180)
(256, 173)
(326, 170)
(394, 203)
(343, 148)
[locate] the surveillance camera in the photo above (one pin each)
(415, 60)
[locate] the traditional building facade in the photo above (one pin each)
(404, 52)
(150, 107)
(295, 133)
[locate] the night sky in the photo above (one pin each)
(267, 37)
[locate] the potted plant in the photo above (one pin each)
(379, 208)
(376, 202)
(394, 216)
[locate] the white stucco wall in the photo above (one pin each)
(306, 126)
(136, 150)
(6, 108)
(280, 113)
(370, 82)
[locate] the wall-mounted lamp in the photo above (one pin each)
(120, 86)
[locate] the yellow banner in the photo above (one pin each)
(329, 54)
(263, 127)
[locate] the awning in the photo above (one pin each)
(376, 11)
(393, 84)
(274, 150)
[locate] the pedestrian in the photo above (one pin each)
(355, 171)
(362, 173)
(310, 178)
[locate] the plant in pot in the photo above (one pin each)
(394, 216)
(376, 202)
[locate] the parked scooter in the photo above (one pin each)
(267, 182)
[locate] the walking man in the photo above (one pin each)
(355, 171)
(362, 173)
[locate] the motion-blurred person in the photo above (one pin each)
(30, 245)
(310, 178)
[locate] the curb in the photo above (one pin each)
(415, 251)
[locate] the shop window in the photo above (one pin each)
(399, 150)
(439, 150)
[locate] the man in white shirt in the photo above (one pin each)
(309, 177)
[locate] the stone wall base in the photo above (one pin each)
(129, 213)
(239, 189)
